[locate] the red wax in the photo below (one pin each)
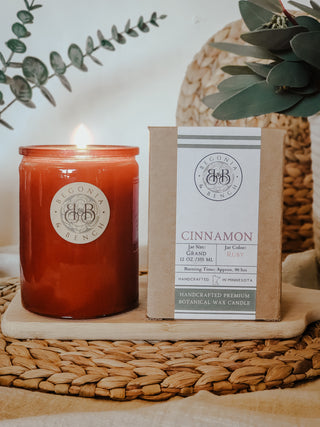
(79, 230)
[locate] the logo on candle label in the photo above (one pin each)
(79, 212)
(218, 176)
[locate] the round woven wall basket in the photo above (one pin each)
(201, 79)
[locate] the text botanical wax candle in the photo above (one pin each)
(79, 230)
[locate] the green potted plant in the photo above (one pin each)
(283, 77)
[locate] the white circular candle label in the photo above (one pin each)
(80, 212)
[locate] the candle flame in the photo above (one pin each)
(82, 136)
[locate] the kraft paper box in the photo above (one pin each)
(215, 221)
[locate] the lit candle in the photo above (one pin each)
(82, 137)
(79, 229)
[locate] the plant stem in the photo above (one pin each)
(5, 67)
(7, 106)
(287, 14)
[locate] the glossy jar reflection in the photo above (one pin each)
(79, 230)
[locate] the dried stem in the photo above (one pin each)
(288, 14)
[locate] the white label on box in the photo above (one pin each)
(218, 175)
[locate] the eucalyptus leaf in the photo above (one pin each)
(292, 74)
(162, 16)
(35, 70)
(45, 92)
(273, 39)
(119, 38)
(114, 32)
(36, 6)
(235, 70)
(254, 16)
(313, 12)
(288, 55)
(29, 104)
(65, 82)
(6, 124)
(314, 5)
(107, 45)
(127, 27)
(253, 101)
(25, 16)
(308, 90)
(21, 89)
(76, 56)
(242, 50)
(20, 30)
(27, 4)
(95, 60)
(57, 63)
(308, 106)
(212, 101)
(89, 45)
(1, 98)
(153, 19)
(2, 59)
(16, 46)
(310, 23)
(132, 33)
(142, 25)
(236, 83)
(272, 5)
(101, 37)
(260, 69)
(3, 77)
(306, 47)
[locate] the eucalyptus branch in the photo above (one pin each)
(16, 46)
(35, 73)
(20, 31)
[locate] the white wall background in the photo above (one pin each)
(138, 85)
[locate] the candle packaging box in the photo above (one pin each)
(215, 222)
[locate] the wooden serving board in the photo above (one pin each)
(299, 308)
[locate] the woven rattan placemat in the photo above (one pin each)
(126, 370)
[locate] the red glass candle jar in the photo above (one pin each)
(79, 230)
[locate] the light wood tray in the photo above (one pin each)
(299, 308)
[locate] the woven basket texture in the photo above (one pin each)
(156, 371)
(201, 79)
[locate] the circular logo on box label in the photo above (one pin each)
(218, 176)
(79, 212)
